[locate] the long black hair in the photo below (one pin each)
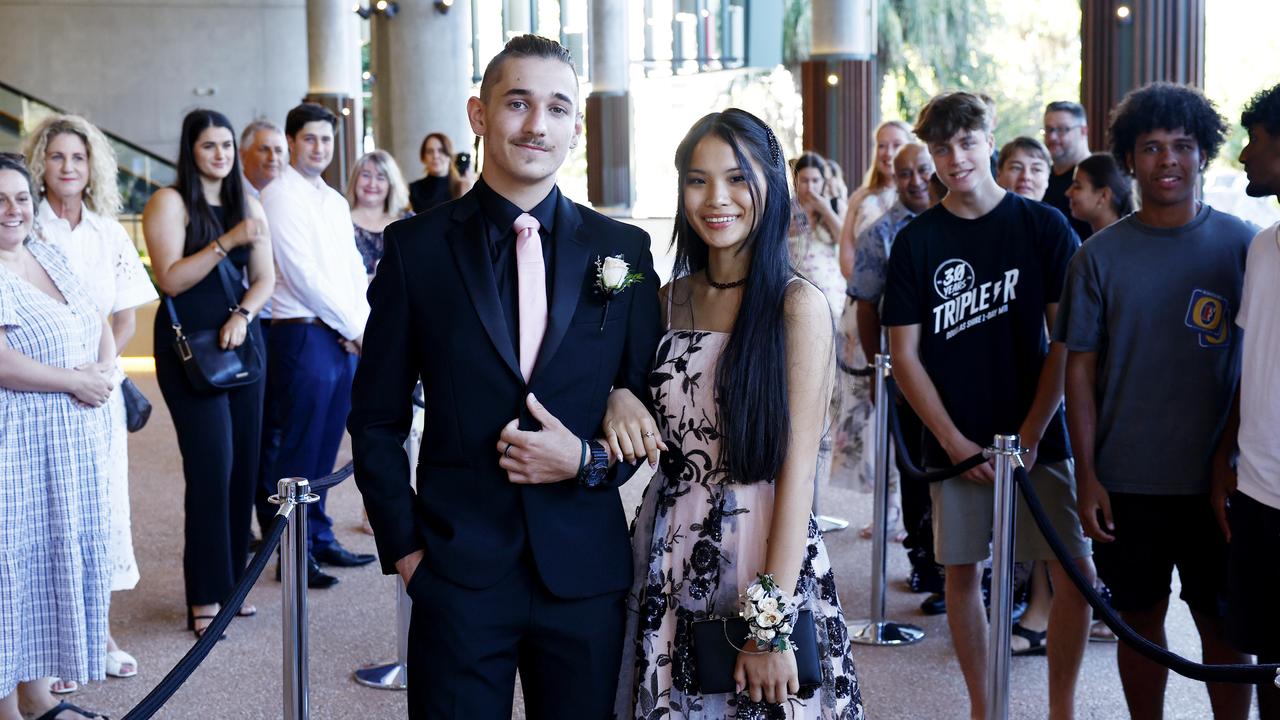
(751, 380)
(202, 225)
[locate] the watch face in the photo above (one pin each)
(597, 467)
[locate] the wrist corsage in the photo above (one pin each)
(613, 275)
(770, 615)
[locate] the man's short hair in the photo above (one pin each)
(1025, 144)
(1165, 106)
(950, 113)
(258, 123)
(1075, 109)
(307, 113)
(1263, 109)
(524, 46)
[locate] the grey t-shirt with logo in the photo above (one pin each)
(1157, 305)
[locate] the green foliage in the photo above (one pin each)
(926, 46)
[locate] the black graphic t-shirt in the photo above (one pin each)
(978, 290)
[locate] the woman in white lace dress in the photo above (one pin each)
(74, 169)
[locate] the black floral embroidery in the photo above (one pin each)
(694, 536)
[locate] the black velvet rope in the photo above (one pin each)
(867, 371)
(333, 478)
(1245, 674)
(171, 682)
(905, 466)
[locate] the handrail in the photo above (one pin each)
(110, 136)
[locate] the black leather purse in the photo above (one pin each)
(211, 369)
(716, 644)
(137, 408)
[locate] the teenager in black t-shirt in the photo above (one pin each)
(972, 284)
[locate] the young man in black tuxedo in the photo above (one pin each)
(514, 547)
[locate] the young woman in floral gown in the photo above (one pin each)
(739, 384)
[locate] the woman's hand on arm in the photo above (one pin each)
(630, 430)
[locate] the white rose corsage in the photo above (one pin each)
(613, 275)
(770, 615)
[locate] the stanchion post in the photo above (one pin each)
(877, 630)
(1007, 450)
(294, 495)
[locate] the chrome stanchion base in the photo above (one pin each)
(384, 676)
(828, 523)
(887, 632)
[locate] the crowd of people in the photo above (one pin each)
(1089, 302)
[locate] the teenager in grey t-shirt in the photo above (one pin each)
(1158, 305)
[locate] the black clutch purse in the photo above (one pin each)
(137, 408)
(210, 368)
(716, 645)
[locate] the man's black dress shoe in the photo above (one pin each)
(935, 604)
(317, 579)
(339, 556)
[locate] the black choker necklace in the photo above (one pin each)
(724, 286)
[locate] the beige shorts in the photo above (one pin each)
(962, 517)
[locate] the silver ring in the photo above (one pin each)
(507, 453)
(649, 434)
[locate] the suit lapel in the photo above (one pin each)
(571, 258)
(476, 269)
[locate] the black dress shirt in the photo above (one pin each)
(498, 215)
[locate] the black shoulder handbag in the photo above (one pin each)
(210, 368)
(716, 644)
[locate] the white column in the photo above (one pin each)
(423, 79)
(331, 47)
(843, 28)
(609, 46)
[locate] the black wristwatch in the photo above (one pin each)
(595, 466)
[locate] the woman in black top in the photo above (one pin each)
(443, 182)
(190, 228)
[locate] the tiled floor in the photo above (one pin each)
(352, 624)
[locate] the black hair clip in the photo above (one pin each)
(775, 150)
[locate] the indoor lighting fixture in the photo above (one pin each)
(833, 79)
(442, 6)
(1124, 14)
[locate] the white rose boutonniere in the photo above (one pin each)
(613, 275)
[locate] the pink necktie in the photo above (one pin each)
(532, 273)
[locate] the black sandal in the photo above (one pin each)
(64, 706)
(199, 632)
(1031, 636)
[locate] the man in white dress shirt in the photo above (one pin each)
(318, 316)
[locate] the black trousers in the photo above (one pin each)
(917, 506)
(465, 647)
(218, 436)
(266, 485)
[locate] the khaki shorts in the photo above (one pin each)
(962, 517)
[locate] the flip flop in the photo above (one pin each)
(1036, 640)
(65, 706)
(247, 611)
(1099, 632)
(58, 686)
(117, 659)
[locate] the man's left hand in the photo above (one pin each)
(549, 455)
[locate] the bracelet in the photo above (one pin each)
(770, 615)
(582, 461)
(217, 248)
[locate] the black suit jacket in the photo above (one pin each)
(436, 316)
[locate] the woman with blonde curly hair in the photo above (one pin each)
(378, 197)
(74, 171)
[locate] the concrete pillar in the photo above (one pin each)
(422, 79)
(840, 84)
(1125, 44)
(333, 66)
(608, 111)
